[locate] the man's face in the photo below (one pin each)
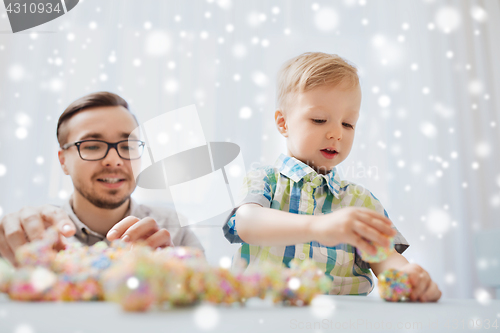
(322, 118)
(94, 180)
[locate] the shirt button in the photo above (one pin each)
(302, 256)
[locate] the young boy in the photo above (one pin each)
(300, 208)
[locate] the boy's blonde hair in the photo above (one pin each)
(310, 70)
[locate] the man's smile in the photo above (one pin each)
(112, 181)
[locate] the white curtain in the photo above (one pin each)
(429, 121)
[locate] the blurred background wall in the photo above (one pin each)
(428, 129)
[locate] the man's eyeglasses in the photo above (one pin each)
(94, 150)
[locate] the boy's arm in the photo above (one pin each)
(272, 227)
(353, 225)
(395, 260)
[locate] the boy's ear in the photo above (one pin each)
(279, 119)
(62, 160)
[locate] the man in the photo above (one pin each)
(95, 150)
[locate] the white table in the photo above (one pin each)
(350, 314)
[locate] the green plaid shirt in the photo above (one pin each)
(293, 186)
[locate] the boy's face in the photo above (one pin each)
(322, 118)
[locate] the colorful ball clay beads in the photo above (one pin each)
(304, 280)
(133, 281)
(394, 286)
(31, 284)
(39, 252)
(382, 252)
(6, 273)
(140, 278)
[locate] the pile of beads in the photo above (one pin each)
(144, 278)
(134, 281)
(69, 275)
(394, 286)
(31, 284)
(304, 281)
(39, 252)
(140, 278)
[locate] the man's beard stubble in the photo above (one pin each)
(98, 202)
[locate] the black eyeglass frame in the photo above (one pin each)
(110, 145)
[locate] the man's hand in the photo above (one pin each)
(132, 229)
(353, 225)
(29, 224)
(423, 288)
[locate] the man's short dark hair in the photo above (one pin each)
(93, 100)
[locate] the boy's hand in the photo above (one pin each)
(353, 225)
(29, 224)
(132, 229)
(423, 288)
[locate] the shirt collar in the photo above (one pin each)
(81, 228)
(296, 170)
